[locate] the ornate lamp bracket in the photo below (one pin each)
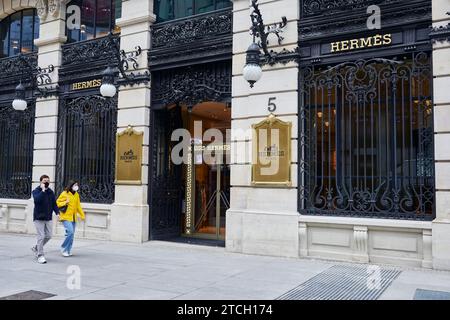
(40, 78)
(127, 61)
(261, 31)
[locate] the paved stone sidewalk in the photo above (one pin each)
(165, 270)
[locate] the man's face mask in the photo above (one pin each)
(46, 184)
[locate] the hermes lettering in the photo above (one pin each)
(86, 84)
(361, 43)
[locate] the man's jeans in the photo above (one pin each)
(44, 234)
(70, 232)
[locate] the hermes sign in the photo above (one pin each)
(86, 84)
(272, 152)
(361, 43)
(129, 157)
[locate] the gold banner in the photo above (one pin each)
(129, 156)
(272, 152)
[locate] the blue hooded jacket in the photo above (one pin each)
(44, 204)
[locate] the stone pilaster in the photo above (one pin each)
(51, 38)
(130, 212)
(441, 69)
(262, 220)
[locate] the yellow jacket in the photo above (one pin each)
(73, 208)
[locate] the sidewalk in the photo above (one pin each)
(164, 270)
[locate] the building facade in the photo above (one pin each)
(368, 109)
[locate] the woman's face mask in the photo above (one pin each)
(75, 188)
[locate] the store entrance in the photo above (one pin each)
(189, 197)
(206, 172)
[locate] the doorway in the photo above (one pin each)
(207, 172)
(190, 199)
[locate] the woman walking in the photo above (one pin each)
(69, 207)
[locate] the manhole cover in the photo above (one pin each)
(344, 283)
(29, 295)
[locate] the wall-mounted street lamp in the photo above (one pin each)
(108, 88)
(39, 77)
(255, 60)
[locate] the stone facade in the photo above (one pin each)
(261, 220)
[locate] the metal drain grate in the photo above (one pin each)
(28, 295)
(344, 282)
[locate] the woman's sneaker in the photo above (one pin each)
(41, 260)
(65, 254)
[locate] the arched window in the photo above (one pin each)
(17, 33)
(89, 19)
(174, 9)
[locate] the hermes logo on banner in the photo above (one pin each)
(361, 43)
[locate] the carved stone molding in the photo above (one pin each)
(360, 244)
(53, 7)
(41, 9)
(440, 34)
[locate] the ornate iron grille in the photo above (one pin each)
(366, 140)
(86, 146)
(192, 85)
(166, 188)
(16, 151)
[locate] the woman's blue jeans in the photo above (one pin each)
(70, 233)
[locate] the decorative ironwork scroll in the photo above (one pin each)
(205, 37)
(192, 85)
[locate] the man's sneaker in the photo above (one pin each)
(35, 251)
(41, 260)
(65, 254)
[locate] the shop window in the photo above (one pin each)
(174, 9)
(16, 151)
(89, 19)
(86, 147)
(18, 32)
(368, 146)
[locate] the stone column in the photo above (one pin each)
(130, 211)
(51, 38)
(262, 220)
(441, 84)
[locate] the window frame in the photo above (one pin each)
(171, 14)
(7, 21)
(112, 21)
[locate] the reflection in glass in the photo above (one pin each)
(176, 9)
(14, 37)
(27, 31)
(97, 18)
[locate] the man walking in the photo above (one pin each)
(44, 205)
